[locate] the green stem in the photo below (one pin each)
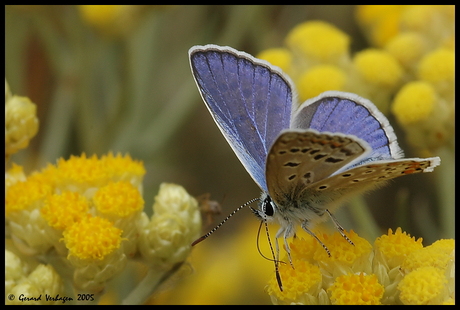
(445, 175)
(152, 280)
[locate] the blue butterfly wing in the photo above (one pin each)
(347, 113)
(249, 99)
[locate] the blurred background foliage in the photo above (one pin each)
(117, 78)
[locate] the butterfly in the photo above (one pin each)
(307, 158)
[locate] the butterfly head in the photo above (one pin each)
(267, 208)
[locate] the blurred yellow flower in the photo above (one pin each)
(319, 42)
(435, 22)
(379, 22)
(115, 20)
(421, 39)
(408, 48)
(280, 57)
(375, 74)
(414, 102)
(14, 174)
(100, 15)
(438, 68)
(378, 67)
(319, 79)
(426, 117)
(225, 271)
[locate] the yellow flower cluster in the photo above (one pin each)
(409, 72)
(396, 270)
(63, 208)
(317, 58)
(89, 210)
(84, 216)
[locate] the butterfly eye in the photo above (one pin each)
(268, 208)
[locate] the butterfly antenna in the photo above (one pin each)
(277, 272)
(222, 223)
(258, 246)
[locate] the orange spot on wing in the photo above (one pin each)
(412, 168)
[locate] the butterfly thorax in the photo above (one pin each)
(289, 213)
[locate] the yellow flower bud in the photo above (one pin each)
(176, 222)
(21, 123)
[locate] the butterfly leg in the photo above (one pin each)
(277, 247)
(286, 245)
(304, 226)
(339, 227)
(286, 232)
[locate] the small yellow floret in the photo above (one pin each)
(319, 40)
(92, 171)
(341, 250)
(120, 199)
(395, 247)
(304, 279)
(423, 286)
(320, 79)
(61, 211)
(308, 248)
(82, 170)
(353, 289)
(122, 167)
(438, 255)
(407, 48)
(438, 66)
(378, 67)
(414, 102)
(92, 238)
(280, 57)
(303, 248)
(23, 195)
